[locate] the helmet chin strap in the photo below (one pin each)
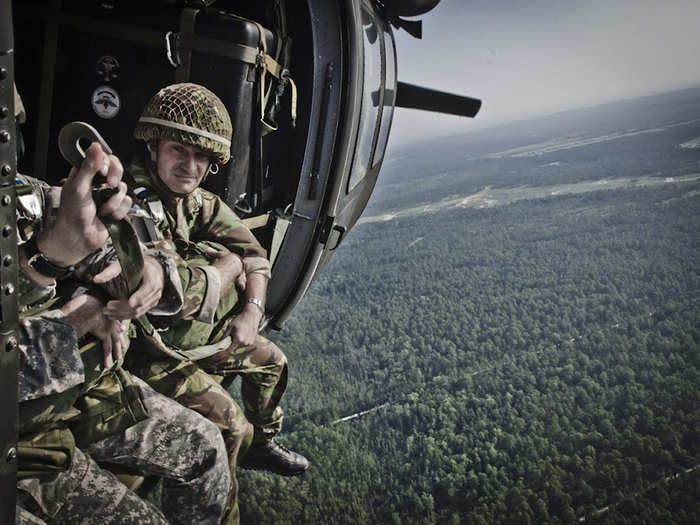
(153, 151)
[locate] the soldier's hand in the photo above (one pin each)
(84, 314)
(244, 328)
(112, 335)
(78, 231)
(143, 299)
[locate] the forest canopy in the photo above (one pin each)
(531, 362)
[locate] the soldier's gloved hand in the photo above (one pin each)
(142, 300)
(78, 231)
(84, 314)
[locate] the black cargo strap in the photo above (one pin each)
(182, 60)
(214, 46)
(128, 250)
(140, 35)
(128, 33)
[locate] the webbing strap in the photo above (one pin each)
(193, 354)
(232, 50)
(207, 350)
(155, 338)
(282, 56)
(185, 39)
(187, 20)
(114, 30)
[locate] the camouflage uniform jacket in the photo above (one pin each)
(36, 206)
(189, 222)
(62, 383)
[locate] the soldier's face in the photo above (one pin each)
(181, 167)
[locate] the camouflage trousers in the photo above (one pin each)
(201, 386)
(175, 443)
(22, 517)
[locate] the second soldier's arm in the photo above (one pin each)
(160, 291)
(244, 327)
(221, 225)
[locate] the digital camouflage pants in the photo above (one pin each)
(175, 443)
(200, 385)
(22, 517)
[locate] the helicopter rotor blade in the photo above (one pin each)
(417, 97)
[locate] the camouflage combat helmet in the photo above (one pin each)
(189, 114)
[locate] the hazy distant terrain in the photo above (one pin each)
(655, 136)
(514, 326)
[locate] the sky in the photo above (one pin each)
(536, 57)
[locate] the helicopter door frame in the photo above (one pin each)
(328, 151)
(349, 199)
(344, 204)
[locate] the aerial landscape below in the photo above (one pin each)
(510, 335)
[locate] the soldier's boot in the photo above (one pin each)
(273, 457)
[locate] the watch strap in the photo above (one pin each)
(258, 303)
(41, 264)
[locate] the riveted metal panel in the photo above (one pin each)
(8, 272)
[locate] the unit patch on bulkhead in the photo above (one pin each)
(106, 102)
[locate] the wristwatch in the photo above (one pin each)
(258, 303)
(41, 264)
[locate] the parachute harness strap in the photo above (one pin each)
(261, 63)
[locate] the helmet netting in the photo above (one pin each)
(193, 106)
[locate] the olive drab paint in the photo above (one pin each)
(8, 271)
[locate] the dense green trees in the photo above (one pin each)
(537, 362)
(540, 363)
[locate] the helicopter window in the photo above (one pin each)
(372, 85)
(389, 96)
